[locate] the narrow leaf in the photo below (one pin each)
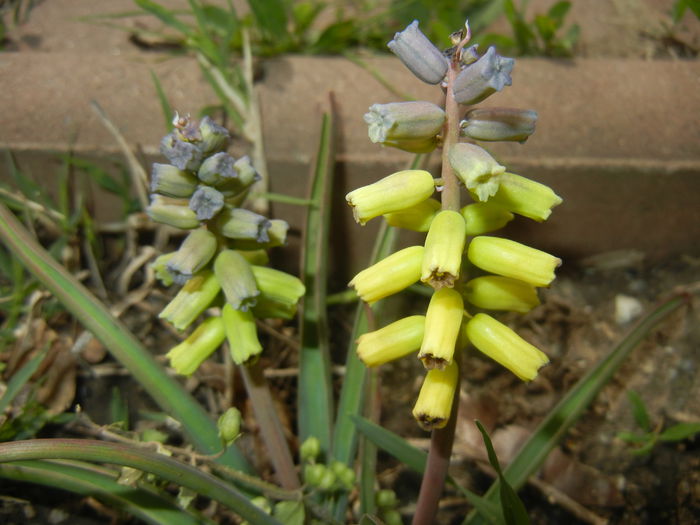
(165, 106)
(19, 379)
(639, 411)
(680, 432)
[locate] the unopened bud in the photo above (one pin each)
(416, 218)
(193, 298)
(278, 286)
(396, 192)
(484, 77)
(494, 292)
(171, 181)
(442, 323)
(390, 275)
(444, 245)
(186, 357)
(181, 154)
(236, 279)
(386, 499)
(310, 449)
(434, 404)
(173, 212)
(218, 170)
(512, 259)
(485, 217)
(277, 236)
(214, 137)
(206, 202)
(242, 335)
(194, 254)
(505, 347)
(398, 121)
(525, 197)
(391, 342)
(242, 224)
(419, 54)
(477, 170)
(493, 124)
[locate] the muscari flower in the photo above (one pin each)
(186, 357)
(391, 342)
(499, 124)
(442, 322)
(484, 217)
(405, 125)
(278, 286)
(444, 245)
(181, 154)
(484, 77)
(434, 404)
(419, 54)
(239, 223)
(525, 197)
(194, 253)
(504, 346)
(390, 275)
(495, 292)
(172, 182)
(173, 212)
(236, 279)
(476, 168)
(242, 334)
(193, 298)
(416, 218)
(512, 259)
(396, 192)
(213, 136)
(206, 202)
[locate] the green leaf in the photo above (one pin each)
(558, 12)
(514, 511)
(335, 38)
(165, 106)
(290, 512)
(646, 448)
(631, 437)
(550, 431)
(20, 378)
(680, 432)
(639, 411)
(315, 389)
(271, 18)
(164, 15)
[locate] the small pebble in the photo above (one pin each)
(626, 309)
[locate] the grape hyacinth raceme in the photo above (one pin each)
(221, 261)
(455, 233)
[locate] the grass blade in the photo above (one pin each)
(121, 343)
(570, 408)
(165, 106)
(271, 18)
(315, 389)
(139, 458)
(140, 503)
(165, 15)
(18, 380)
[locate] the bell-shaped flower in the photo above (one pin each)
(409, 122)
(242, 335)
(206, 202)
(442, 323)
(242, 224)
(525, 197)
(499, 124)
(194, 297)
(512, 259)
(186, 357)
(218, 170)
(173, 212)
(276, 233)
(485, 217)
(182, 154)
(419, 54)
(160, 268)
(416, 218)
(495, 292)
(214, 138)
(434, 404)
(396, 192)
(391, 342)
(476, 168)
(484, 77)
(194, 254)
(172, 182)
(444, 246)
(236, 279)
(504, 346)
(278, 286)
(390, 275)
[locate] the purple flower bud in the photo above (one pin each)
(214, 137)
(181, 154)
(206, 202)
(419, 54)
(507, 124)
(487, 75)
(404, 121)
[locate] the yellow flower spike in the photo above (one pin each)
(416, 218)
(434, 405)
(186, 357)
(444, 246)
(242, 335)
(396, 192)
(494, 292)
(512, 259)
(442, 322)
(396, 340)
(485, 217)
(525, 197)
(504, 346)
(192, 299)
(390, 275)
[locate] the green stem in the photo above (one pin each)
(450, 192)
(141, 459)
(122, 344)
